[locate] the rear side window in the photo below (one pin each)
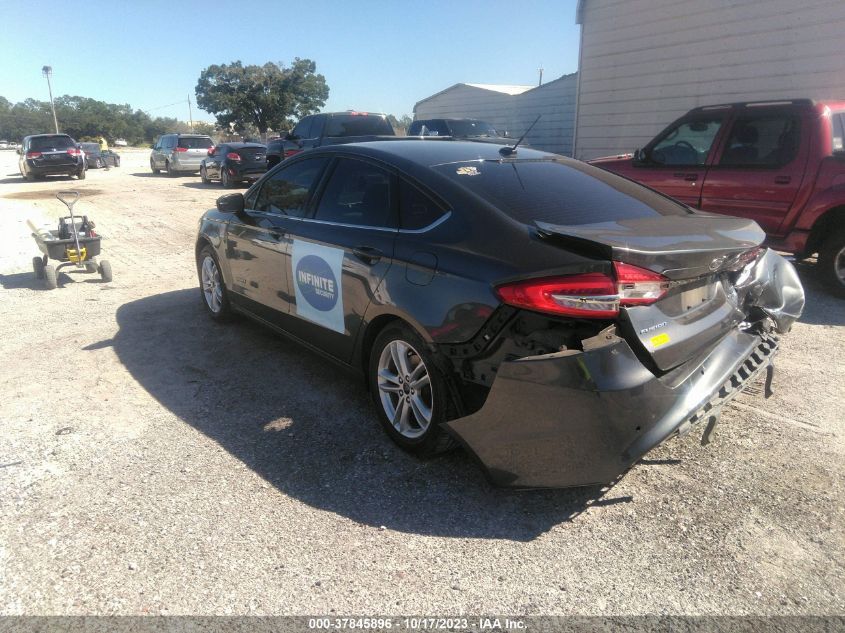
(416, 210)
(52, 142)
(357, 193)
(559, 192)
(762, 141)
(288, 190)
(838, 120)
(195, 142)
(358, 125)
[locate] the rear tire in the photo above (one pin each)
(38, 267)
(50, 277)
(105, 271)
(832, 263)
(225, 180)
(169, 169)
(153, 168)
(204, 175)
(80, 175)
(410, 392)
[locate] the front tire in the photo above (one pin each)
(105, 271)
(409, 391)
(212, 288)
(832, 263)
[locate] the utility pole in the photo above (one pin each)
(47, 71)
(540, 70)
(190, 113)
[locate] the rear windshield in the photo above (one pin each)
(433, 127)
(252, 152)
(193, 142)
(51, 142)
(557, 192)
(358, 125)
(472, 128)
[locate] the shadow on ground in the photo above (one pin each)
(29, 281)
(822, 307)
(309, 429)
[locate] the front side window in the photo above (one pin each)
(302, 129)
(288, 191)
(357, 193)
(686, 144)
(761, 141)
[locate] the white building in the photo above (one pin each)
(512, 109)
(643, 63)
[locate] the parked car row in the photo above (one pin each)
(43, 155)
(8, 144)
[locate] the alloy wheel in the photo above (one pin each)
(212, 288)
(404, 388)
(839, 265)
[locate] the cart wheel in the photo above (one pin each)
(50, 278)
(105, 271)
(90, 267)
(38, 267)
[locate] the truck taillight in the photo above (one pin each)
(234, 156)
(291, 152)
(587, 295)
(33, 154)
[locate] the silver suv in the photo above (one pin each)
(179, 153)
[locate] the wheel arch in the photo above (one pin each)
(823, 226)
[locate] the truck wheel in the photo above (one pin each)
(38, 267)
(153, 167)
(105, 271)
(832, 263)
(50, 277)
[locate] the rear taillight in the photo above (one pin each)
(291, 152)
(588, 295)
(33, 154)
(210, 150)
(234, 156)
(73, 151)
(180, 149)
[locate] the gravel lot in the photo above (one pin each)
(152, 461)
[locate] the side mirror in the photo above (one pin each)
(231, 203)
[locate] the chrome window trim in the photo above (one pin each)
(385, 229)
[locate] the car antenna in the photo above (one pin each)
(507, 150)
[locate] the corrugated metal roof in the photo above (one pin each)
(508, 89)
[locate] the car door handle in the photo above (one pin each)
(783, 180)
(367, 254)
(685, 176)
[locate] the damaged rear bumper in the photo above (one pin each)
(579, 418)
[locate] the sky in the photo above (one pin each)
(375, 56)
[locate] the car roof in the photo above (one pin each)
(239, 144)
(47, 135)
(436, 152)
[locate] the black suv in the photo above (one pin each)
(51, 154)
(329, 128)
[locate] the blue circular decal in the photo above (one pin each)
(317, 282)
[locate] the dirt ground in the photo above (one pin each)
(152, 461)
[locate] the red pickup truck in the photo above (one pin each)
(781, 163)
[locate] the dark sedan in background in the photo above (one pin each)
(98, 158)
(233, 163)
(553, 318)
(51, 155)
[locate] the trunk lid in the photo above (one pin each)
(253, 156)
(698, 253)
